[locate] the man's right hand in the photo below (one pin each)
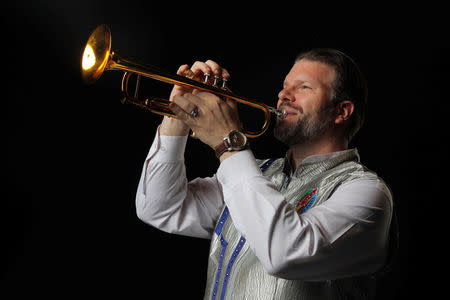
(173, 126)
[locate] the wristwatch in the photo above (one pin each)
(234, 141)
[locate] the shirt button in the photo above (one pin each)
(163, 149)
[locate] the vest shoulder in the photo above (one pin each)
(272, 163)
(357, 171)
(261, 161)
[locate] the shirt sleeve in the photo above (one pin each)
(166, 200)
(344, 236)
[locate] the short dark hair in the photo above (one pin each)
(349, 83)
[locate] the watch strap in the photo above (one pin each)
(227, 144)
(221, 148)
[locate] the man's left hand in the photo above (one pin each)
(216, 117)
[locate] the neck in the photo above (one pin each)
(297, 153)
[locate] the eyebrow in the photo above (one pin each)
(296, 82)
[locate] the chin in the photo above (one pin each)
(282, 132)
(285, 123)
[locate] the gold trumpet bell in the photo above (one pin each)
(96, 54)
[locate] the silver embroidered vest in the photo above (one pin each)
(234, 272)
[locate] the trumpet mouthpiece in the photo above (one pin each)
(280, 113)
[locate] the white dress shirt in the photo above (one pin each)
(346, 235)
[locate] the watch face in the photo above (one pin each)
(237, 139)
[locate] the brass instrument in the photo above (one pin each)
(98, 57)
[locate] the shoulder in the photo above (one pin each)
(366, 178)
(358, 181)
(368, 188)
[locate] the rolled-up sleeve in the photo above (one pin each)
(344, 236)
(166, 200)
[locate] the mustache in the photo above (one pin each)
(287, 104)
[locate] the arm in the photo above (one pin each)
(166, 200)
(344, 236)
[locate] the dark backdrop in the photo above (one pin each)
(75, 152)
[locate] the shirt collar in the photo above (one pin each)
(316, 158)
(320, 157)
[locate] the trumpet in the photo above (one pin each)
(98, 57)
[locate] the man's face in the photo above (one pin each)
(306, 97)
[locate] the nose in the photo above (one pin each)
(284, 95)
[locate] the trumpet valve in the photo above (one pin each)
(207, 75)
(224, 84)
(216, 79)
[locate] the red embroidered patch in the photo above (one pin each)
(306, 200)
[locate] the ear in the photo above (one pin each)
(344, 111)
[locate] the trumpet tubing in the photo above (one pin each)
(98, 57)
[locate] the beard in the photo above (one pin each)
(307, 127)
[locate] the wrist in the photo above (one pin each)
(173, 127)
(233, 142)
(227, 154)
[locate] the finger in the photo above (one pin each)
(225, 74)
(196, 97)
(231, 103)
(179, 89)
(184, 70)
(216, 69)
(219, 72)
(200, 68)
(180, 113)
(204, 100)
(185, 103)
(230, 107)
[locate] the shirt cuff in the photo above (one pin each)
(167, 148)
(238, 168)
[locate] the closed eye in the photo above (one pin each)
(303, 87)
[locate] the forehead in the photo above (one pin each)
(315, 72)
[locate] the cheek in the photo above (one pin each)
(314, 103)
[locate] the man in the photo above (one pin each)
(311, 225)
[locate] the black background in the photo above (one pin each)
(75, 152)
